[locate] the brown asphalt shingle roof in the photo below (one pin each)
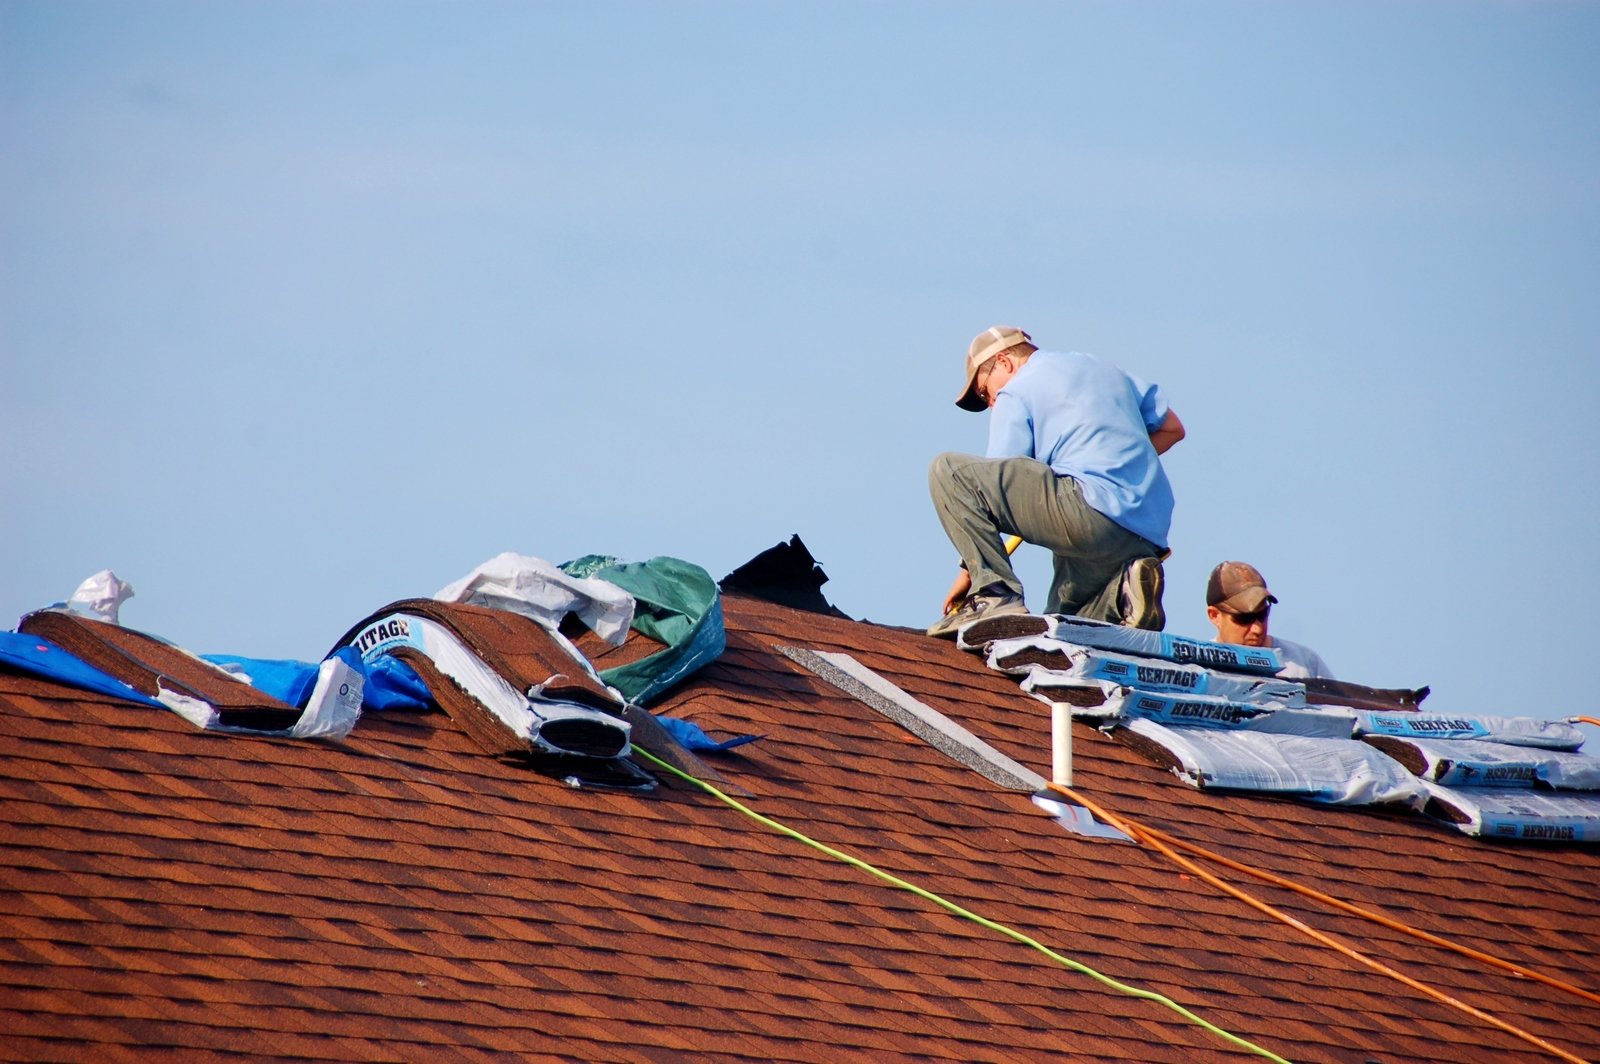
(399, 895)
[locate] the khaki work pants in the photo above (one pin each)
(982, 500)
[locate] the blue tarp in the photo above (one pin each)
(692, 737)
(41, 657)
(389, 682)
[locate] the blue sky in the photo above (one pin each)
(306, 307)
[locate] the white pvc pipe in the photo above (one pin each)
(1061, 744)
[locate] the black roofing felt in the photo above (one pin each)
(786, 574)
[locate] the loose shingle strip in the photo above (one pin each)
(527, 656)
(929, 725)
(521, 650)
(1326, 692)
(158, 668)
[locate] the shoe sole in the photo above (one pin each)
(943, 629)
(1144, 593)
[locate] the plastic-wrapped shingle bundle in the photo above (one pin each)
(1199, 711)
(1500, 812)
(1526, 782)
(1260, 661)
(1476, 763)
(1215, 716)
(1517, 731)
(1333, 771)
(1047, 664)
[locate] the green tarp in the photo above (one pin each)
(677, 603)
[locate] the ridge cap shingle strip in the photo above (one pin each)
(518, 650)
(507, 642)
(525, 654)
(934, 728)
(153, 667)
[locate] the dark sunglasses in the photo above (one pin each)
(1245, 620)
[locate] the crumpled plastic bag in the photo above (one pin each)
(101, 596)
(535, 588)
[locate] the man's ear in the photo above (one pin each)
(1213, 614)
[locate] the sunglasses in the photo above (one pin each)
(981, 387)
(1245, 620)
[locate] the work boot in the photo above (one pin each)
(1142, 583)
(996, 600)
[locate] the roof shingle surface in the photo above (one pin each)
(399, 895)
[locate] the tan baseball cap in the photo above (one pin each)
(1235, 587)
(985, 346)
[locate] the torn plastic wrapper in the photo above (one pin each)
(538, 589)
(693, 737)
(335, 702)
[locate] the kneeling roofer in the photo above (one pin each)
(1073, 465)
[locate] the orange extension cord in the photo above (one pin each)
(1156, 840)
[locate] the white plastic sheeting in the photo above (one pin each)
(200, 713)
(535, 588)
(1333, 771)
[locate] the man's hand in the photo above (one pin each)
(1169, 432)
(958, 591)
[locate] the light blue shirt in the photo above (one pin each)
(1087, 419)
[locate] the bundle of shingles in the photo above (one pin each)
(1219, 717)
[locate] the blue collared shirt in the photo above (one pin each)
(1087, 419)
